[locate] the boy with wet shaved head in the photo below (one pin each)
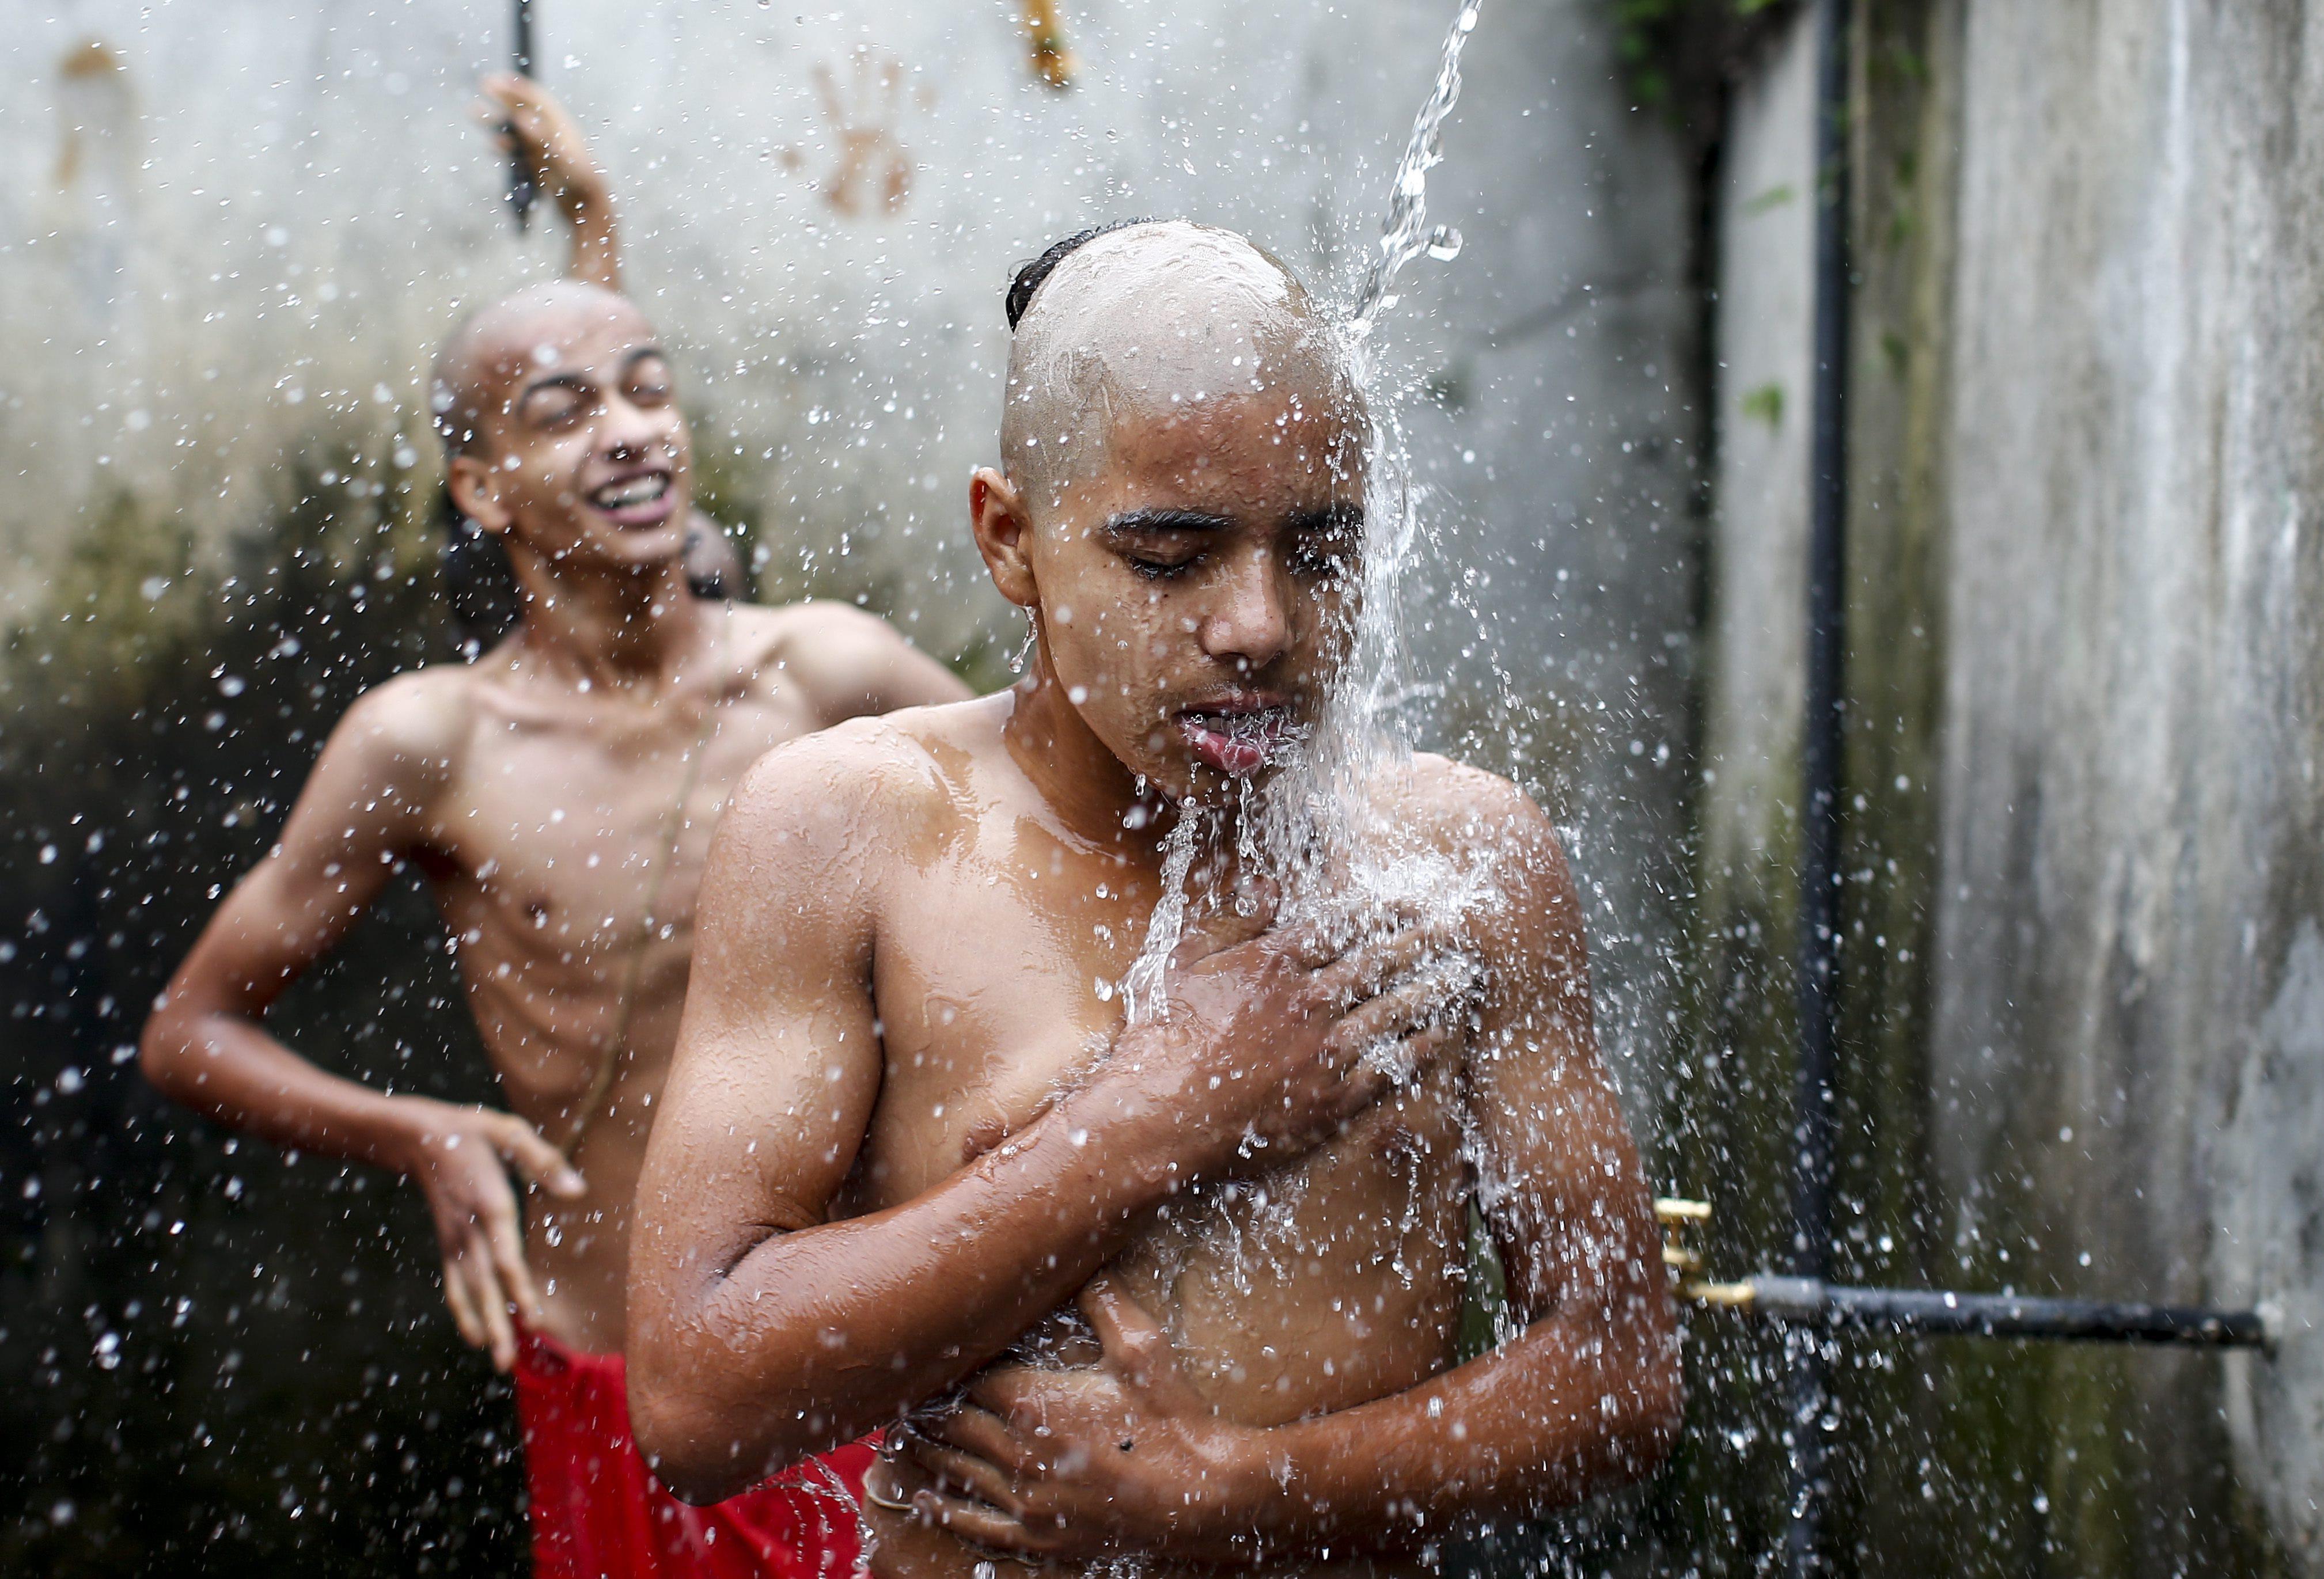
(558, 793)
(1183, 1286)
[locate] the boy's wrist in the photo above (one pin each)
(400, 1130)
(584, 200)
(1138, 1147)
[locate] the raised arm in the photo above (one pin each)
(527, 119)
(207, 1046)
(759, 1331)
(1585, 1396)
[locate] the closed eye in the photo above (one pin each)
(1160, 569)
(553, 404)
(1162, 545)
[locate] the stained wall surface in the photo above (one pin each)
(230, 234)
(2083, 957)
(2130, 869)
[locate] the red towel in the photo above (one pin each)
(598, 1512)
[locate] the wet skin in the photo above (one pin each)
(906, 1123)
(537, 790)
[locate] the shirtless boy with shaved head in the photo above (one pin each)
(558, 793)
(1182, 1287)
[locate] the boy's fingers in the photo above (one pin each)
(1361, 972)
(1312, 945)
(464, 1309)
(495, 1307)
(539, 1162)
(979, 1432)
(973, 1521)
(1248, 915)
(508, 1261)
(964, 1472)
(1125, 1331)
(1403, 1061)
(1408, 1006)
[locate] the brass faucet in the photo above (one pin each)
(1678, 1217)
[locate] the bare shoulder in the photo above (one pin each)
(1504, 853)
(416, 725)
(822, 646)
(869, 784)
(1468, 812)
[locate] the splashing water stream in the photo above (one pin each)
(1316, 828)
(1405, 235)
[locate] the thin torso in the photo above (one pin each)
(1328, 1282)
(564, 854)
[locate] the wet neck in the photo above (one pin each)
(620, 630)
(1083, 783)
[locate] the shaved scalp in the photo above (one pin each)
(524, 324)
(1142, 317)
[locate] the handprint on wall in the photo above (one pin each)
(870, 166)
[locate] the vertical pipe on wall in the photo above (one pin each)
(521, 193)
(1820, 758)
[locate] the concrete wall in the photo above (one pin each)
(2084, 976)
(230, 234)
(2132, 869)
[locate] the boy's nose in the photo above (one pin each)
(632, 429)
(1251, 621)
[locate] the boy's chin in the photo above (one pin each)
(639, 548)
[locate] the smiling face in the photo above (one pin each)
(571, 444)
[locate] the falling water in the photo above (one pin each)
(1407, 235)
(1316, 828)
(1142, 987)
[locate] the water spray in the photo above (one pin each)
(1405, 235)
(1314, 829)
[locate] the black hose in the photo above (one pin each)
(1820, 761)
(1944, 1312)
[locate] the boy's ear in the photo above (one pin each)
(474, 487)
(996, 514)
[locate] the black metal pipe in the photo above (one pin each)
(523, 193)
(1820, 761)
(1810, 1303)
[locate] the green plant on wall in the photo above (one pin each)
(1662, 44)
(1763, 404)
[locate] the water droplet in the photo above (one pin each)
(1445, 243)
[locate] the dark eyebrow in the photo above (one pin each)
(576, 381)
(1134, 523)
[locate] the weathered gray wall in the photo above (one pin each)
(2131, 816)
(2084, 978)
(230, 233)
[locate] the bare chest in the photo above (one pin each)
(566, 839)
(996, 984)
(1331, 1279)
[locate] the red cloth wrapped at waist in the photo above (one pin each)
(598, 1512)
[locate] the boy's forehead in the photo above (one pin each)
(1303, 430)
(565, 336)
